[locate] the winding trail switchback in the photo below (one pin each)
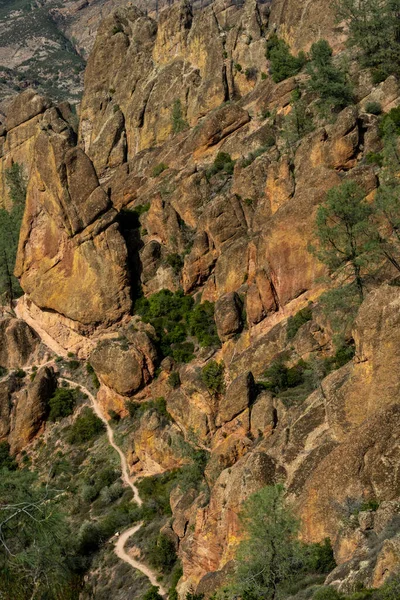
(125, 535)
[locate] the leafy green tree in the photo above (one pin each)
(328, 81)
(282, 63)
(270, 555)
(10, 225)
(374, 30)
(34, 553)
(344, 234)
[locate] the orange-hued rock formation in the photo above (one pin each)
(129, 201)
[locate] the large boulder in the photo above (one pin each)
(125, 366)
(239, 396)
(18, 343)
(228, 315)
(71, 258)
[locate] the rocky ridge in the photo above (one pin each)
(112, 198)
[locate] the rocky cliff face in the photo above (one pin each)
(136, 183)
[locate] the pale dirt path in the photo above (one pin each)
(24, 315)
(123, 538)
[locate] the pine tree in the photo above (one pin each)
(374, 28)
(329, 82)
(387, 201)
(344, 232)
(282, 63)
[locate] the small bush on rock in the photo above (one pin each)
(373, 108)
(213, 376)
(298, 320)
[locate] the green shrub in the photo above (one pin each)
(191, 474)
(251, 73)
(212, 374)
(89, 538)
(263, 76)
(6, 460)
(374, 108)
(342, 356)
(327, 593)
(178, 122)
(114, 416)
(85, 428)
(238, 67)
(174, 318)
(155, 492)
(321, 559)
(176, 574)
(201, 324)
(298, 320)
(162, 554)
(369, 505)
(20, 373)
(152, 594)
(292, 385)
(282, 63)
(62, 403)
(158, 169)
(137, 409)
(222, 162)
(175, 261)
(3, 371)
(183, 352)
(174, 380)
(116, 108)
(390, 589)
(393, 118)
(374, 158)
(90, 371)
(73, 365)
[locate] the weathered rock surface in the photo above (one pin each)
(31, 409)
(68, 223)
(17, 343)
(125, 366)
(141, 204)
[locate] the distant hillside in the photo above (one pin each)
(45, 43)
